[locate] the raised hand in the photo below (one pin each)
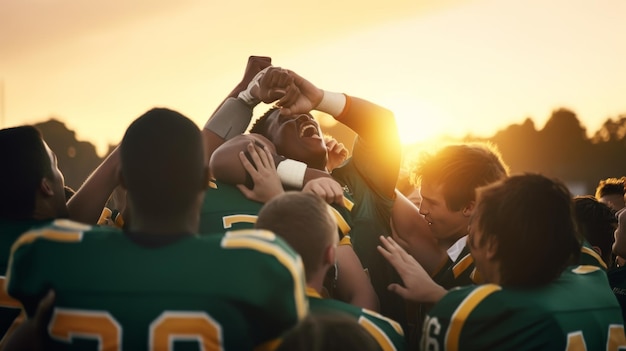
(418, 285)
(276, 85)
(337, 153)
(326, 188)
(255, 65)
(263, 173)
(307, 99)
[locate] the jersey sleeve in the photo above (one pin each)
(387, 332)
(29, 260)
(268, 256)
(23, 281)
(447, 320)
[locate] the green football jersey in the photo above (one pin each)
(135, 291)
(387, 332)
(589, 256)
(226, 208)
(371, 219)
(10, 308)
(461, 272)
(575, 312)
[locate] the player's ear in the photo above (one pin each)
(491, 247)
(330, 254)
(469, 208)
(45, 187)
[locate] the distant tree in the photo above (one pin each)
(519, 145)
(611, 130)
(565, 145)
(77, 159)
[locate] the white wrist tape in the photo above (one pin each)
(246, 95)
(231, 119)
(291, 173)
(332, 103)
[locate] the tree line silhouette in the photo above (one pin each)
(561, 149)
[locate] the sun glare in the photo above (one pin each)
(417, 121)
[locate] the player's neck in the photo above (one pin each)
(164, 225)
(316, 282)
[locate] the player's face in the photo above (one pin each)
(298, 138)
(57, 182)
(446, 225)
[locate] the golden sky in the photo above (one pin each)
(443, 66)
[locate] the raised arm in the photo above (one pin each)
(233, 116)
(87, 204)
(377, 151)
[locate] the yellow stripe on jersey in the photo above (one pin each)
(346, 240)
(459, 317)
(212, 184)
(463, 264)
(259, 240)
(228, 221)
(51, 234)
(393, 323)
(347, 203)
(381, 338)
(585, 269)
(257, 233)
(5, 299)
(591, 252)
(69, 225)
(476, 277)
(344, 227)
(310, 292)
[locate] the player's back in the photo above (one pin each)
(577, 310)
(136, 292)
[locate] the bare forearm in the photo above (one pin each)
(87, 204)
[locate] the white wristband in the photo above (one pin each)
(246, 95)
(332, 103)
(291, 173)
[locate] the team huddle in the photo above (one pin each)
(274, 238)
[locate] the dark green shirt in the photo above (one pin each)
(237, 290)
(578, 309)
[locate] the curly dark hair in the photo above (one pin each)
(260, 126)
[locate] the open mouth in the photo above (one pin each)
(309, 131)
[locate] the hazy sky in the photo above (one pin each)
(454, 66)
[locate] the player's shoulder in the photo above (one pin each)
(252, 241)
(589, 256)
(467, 298)
(379, 320)
(63, 231)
